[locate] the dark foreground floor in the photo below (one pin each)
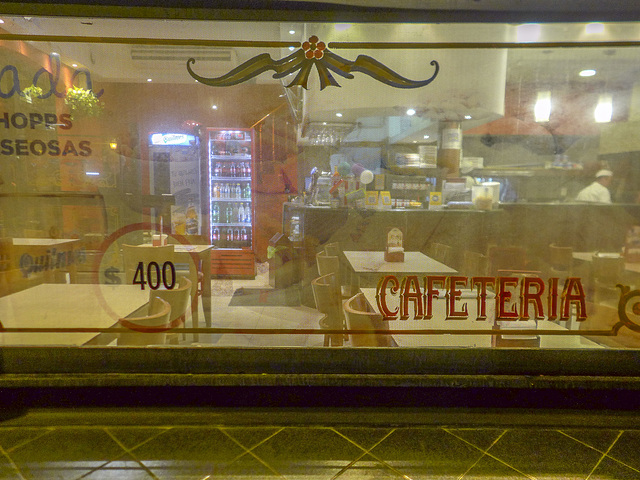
(312, 443)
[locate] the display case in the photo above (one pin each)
(232, 201)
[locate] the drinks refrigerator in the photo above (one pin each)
(231, 209)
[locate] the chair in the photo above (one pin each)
(179, 299)
(441, 252)
(475, 264)
(331, 264)
(607, 273)
(361, 316)
(327, 298)
(560, 259)
(506, 258)
(144, 329)
(332, 249)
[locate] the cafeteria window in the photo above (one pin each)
(322, 186)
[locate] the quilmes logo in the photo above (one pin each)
(49, 81)
(53, 260)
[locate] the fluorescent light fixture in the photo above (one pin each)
(425, 137)
(214, 107)
(291, 49)
(292, 32)
(74, 65)
(587, 73)
(594, 27)
(411, 112)
(467, 117)
(149, 79)
(93, 174)
(528, 32)
(604, 109)
(542, 109)
(338, 114)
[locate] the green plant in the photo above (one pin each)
(30, 93)
(83, 102)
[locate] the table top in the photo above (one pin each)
(414, 262)
(481, 340)
(180, 248)
(588, 257)
(66, 306)
(43, 242)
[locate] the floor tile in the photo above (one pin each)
(626, 449)
(365, 438)
(131, 437)
(11, 438)
(482, 438)
(609, 469)
(7, 469)
(545, 454)
(126, 468)
(308, 453)
(599, 439)
(188, 452)
(65, 453)
(369, 469)
(425, 453)
(249, 437)
(488, 468)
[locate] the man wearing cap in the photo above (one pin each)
(597, 192)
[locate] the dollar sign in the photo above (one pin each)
(111, 276)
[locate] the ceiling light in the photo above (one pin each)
(411, 112)
(292, 32)
(604, 109)
(528, 32)
(55, 54)
(291, 49)
(148, 79)
(542, 109)
(425, 137)
(338, 114)
(74, 65)
(587, 73)
(594, 28)
(214, 107)
(467, 117)
(1, 21)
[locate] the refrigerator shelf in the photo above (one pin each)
(231, 199)
(230, 179)
(230, 157)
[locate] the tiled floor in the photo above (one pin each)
(99, 446)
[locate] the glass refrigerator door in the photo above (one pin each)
(230, 163)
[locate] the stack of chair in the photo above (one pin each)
(360, 316)
(328, 301)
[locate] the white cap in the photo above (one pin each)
(604, 173)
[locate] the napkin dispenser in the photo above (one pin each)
(394, 251)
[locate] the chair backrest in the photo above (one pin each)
(142, 328)
(326, 295)
(134, 254)
(178, 298)
(474, 264)
(332, 249)
(506, 258)
(607, 269)
(560, 258)
(441, 252)
(327, 264)
(360, 316)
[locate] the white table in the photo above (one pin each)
(46, 247)
(66, 306)
(368, 267)
(588, 257)
(479, 340)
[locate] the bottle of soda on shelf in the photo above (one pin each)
(241, 214)
(247, 190)
(236, 235)
(215, 214)
(227, 191)
(217, 171)
(248, 169)
(247, 213)
(238, 191)
(235, 212)
(229, 213)
(232, 169)
(243, 234)
(229, 235)
(215, 236)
